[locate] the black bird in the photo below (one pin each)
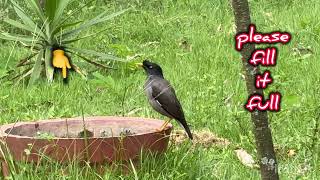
(162, 96)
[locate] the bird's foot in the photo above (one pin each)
(160, 129)
(164, 125)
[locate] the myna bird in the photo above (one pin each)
(60, 60)
(162, 96)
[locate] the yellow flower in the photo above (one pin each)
(61, 61)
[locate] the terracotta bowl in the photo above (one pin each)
(94, 139)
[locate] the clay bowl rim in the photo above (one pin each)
(5, 127)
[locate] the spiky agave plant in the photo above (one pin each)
(48, 29)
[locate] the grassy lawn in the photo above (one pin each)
(194, 44)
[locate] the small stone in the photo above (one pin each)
(126, 132)
(106, 133)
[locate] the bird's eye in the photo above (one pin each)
(150, 67)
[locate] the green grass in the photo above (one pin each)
(204, 78)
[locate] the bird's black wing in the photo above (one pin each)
(166, 97)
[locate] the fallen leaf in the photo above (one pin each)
(228, 100)
(243, 77)
(284, 152)
(304, 168)
(245, 158)
(303, 51)
(27, 151)
(100, 89)
(305, 56)
(291, 152)
(184, 44)
(150, 43)
(234, 28)
(269, 14)
(219, 29)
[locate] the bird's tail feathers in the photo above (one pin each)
(185, 126)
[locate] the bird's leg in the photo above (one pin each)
(164, 125)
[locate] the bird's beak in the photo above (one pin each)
(139, 65)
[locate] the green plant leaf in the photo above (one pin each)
(83, 26)
(48, 64)
(25, 18)
(22, 15)
(62, 4)
(106, 18)
(36, 69)
(93, 62)
(64, 26)
(18, 25)
(47, 27)
(32, 45)
(50, 8)
(98, 19)
(25, 60)
(83, 37)
(23, 75)
(35, 6)
(96, 54)
(76, 10)
(79, 71)
(17, 37)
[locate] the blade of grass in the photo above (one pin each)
(134, 170)
(8, 159)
